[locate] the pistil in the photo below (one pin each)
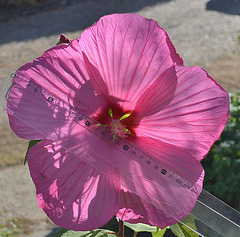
(118, 129)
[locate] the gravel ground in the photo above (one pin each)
(205, 33)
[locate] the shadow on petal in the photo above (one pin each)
(72, 193)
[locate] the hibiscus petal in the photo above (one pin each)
(63, 181)
(169, 206)
(135, 210)
(130, 52)
(61, 71)
(72, 193)
(185, 108)
(63, 127)
(173, 157)
(142, 181)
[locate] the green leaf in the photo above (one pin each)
(110, 113)
(177, 230)
(92, 233)
(125, 116)
(160, 232)
(30, 144)
(99, 124)
(59, 232)
(141, 227)
(181, 230)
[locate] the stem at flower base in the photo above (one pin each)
(121, 228)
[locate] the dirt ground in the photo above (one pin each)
(205, 33)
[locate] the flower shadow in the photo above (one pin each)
(55, 19)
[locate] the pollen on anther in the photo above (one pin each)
(118, 128)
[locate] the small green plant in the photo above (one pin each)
(17, 227)
(222, 164)
(10, 230)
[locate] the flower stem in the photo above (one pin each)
(121, 228)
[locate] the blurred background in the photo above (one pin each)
(205, 33)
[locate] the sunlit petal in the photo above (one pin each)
(130, 52)
(186, 108)
(72, 193)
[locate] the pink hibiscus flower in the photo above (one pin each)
(124, 65)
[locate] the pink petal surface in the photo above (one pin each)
(73, 194)
(130, 52)
(136, 210)
(59, 126)
(179, 159)
(61, 70)
(59, 177)
(185, 108)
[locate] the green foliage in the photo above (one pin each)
(156, 232)
(222, 164)
(59, 232)
(6, 232)
(11, 230)
(141, 227)
(92, 233)
(30, 144)
(159, 233)
(181, 230)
